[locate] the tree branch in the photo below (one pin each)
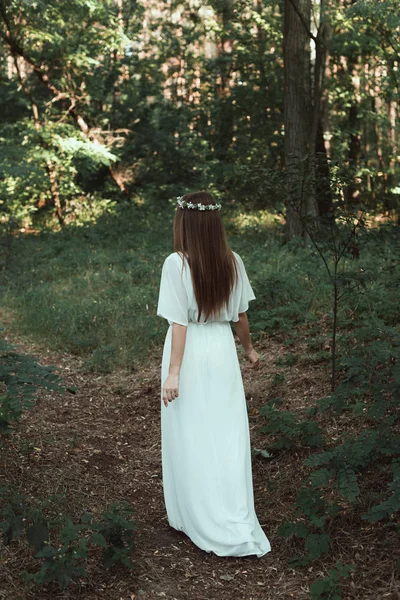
(16, 49)
(306, 27)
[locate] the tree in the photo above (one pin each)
(298, 117)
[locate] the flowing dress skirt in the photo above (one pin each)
(205, 441)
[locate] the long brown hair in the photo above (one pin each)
(200, 236)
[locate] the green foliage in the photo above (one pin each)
(289, 359)
(110, 109)
(14, 514)
(287, 428)
(367, 390)
(370, 373)
(97, 110)
(62, 545)
(31, 156)
(62, 562)
(328, 587)
(391, 505)
(278, 378)
(115, 534)
(344, 464)
(93, 290)
(341, 466)
(21, 377)
(314, 513)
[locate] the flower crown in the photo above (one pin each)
(183, 203)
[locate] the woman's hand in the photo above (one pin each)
(253, 358)
(170, 388)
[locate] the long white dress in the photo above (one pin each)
(205, 440)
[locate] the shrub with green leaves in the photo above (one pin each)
(341, 466)
(63, 559)
(288, 430)
(328, 587)
(60, 545)
(21, 376)
(115, 534)
(313, 513)
(365, 390)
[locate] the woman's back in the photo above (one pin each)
(177, 274)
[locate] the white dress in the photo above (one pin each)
(205, 439)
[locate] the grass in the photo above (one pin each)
(93, 290)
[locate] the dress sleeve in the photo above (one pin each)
(247, 293)
(172, 299)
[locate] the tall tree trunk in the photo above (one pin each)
(323, 190)
(354, 152)
(392, 118)
(298, 117)
(224, 129)
(320, 171)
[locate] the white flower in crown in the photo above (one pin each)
(183, 203)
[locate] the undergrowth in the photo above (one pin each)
(93, 290)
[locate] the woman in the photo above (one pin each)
(206, 456)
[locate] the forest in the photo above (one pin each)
(287, 112)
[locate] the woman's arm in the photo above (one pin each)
(243, 332)
(171, 384)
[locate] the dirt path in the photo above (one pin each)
(103, 444)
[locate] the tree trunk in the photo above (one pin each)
(55, 193)
(323, 190)
(224, 109)
(354, 153)
(319, 159)
(301, 203)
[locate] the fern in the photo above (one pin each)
(287, 429)
(391, 505)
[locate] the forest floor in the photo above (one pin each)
(103, 444)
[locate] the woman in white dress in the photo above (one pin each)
(206, 454)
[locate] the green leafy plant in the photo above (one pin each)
(115, 534)
(62, 561)
(13, 514)
(61, 545)
(390, 506)
(288, 430)
(368, 388)
(328, 587)
(313, 514)
(21, 377)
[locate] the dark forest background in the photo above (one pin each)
(112, 101)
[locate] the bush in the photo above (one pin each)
(61, 545)
(21, 377)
